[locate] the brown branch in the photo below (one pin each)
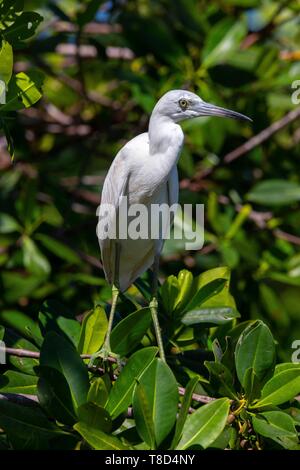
(34, 354)
(263, 135)
(196, 396)
(90, 28)
(20, 398)
(287, 236)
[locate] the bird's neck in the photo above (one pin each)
(165, 138)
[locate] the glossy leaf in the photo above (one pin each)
(6, 62)
(24, 91)
(55, 395)
(129, 332)
(214, 315)
(205, 424)
(205, 293)
(277, 426)
(221, 378)
(94, 416)
(16, 382)
(184, 410)
(98, 439)
(143, 415)
(93, 331)
(120, 396)
(59, 354)
(281, 388)
(156, 401)
(98, 392)
(255, 349)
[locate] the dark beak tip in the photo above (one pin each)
(246, 118)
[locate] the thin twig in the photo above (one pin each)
(196, 396)
(287, 236)
(263, 135)
(34, 354)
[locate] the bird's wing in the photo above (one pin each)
(173, 190)
(114, 188)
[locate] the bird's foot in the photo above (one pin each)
(105, 356)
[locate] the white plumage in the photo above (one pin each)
(145, 171)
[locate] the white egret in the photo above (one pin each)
(145, 171)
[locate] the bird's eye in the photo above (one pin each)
(183, 103)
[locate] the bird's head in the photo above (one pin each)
(181, 104)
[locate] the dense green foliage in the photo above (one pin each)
(81, 78)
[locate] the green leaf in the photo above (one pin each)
(58, 248)
(221, 379)
(23, 27)
(24, 91)
(209, 290)
(54, 316)
(59, 354)
(277, 426)
(177, 291)
(223, 39)
(275, 192)
(8, 224)
(255, 349)
(121, 394)
(98, 439)
(55, 396)
(143, 415)
(93, 331)
(214, 315)
(6, 62)
(184, 410)
(16, 382)
(34, 260)
(159, 394)
(23, 364)
(129, 332)
(25, 422)
(205, 424)
(23, 324)
(286, 366)
(281, 388)
(89, 12)
(222, 298)
(9, 10)
(94, 416)
(98, 392)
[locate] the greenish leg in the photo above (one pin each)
(105, 351)
(115, 295)
(153, 308)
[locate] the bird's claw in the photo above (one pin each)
(105, 356)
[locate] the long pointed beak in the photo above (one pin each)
(207, 109)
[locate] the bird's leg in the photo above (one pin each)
(105, 351)
(115, 295)
(153, 308)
